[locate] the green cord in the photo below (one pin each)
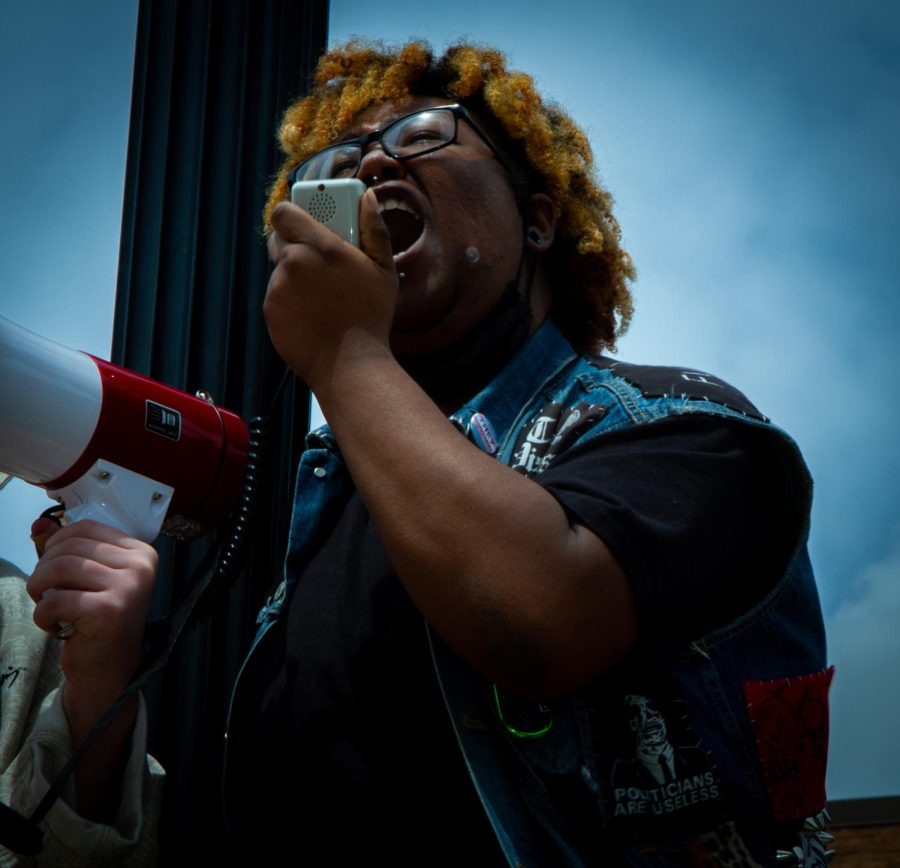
(518, 733)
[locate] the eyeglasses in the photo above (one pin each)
(406, 138)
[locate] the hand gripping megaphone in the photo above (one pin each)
(113, 445)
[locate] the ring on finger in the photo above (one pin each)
(65, 630)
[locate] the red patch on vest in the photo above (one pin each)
(790, 722)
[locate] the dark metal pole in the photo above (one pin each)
(211, 79)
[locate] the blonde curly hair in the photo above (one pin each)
(588, 268)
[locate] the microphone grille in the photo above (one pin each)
(322, 206)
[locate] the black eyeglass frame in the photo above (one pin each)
(363, 141)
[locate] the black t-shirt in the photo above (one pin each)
(352, 727)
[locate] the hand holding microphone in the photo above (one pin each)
(326, 300)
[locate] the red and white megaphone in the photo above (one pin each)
(113, 445)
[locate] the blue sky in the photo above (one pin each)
(752, 150)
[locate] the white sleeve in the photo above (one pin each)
(34, 745)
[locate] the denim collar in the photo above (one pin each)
(504, 398)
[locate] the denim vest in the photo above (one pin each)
(688, 752)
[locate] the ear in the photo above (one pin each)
(540, 222)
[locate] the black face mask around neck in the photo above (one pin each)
(462, 369)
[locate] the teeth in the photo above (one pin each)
(394, 205)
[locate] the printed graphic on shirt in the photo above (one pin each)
(660, 781)
(790, 722)
(553, 430)
(661, 777)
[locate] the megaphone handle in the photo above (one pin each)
(119, 497)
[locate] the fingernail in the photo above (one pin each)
(40, 526)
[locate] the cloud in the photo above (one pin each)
(864, 644)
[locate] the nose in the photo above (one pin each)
(377, 166)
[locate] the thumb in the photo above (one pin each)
(41, 530)
(374, 238)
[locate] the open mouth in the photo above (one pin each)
(403, 224)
